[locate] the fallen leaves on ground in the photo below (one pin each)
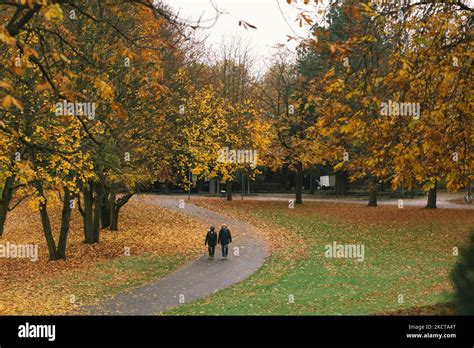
(147, 231)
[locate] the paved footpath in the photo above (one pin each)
(196, 280)
(444, 200)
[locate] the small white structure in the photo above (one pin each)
(327, 181)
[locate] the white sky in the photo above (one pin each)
(272, 26)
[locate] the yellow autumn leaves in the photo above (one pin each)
(210, 123)
(8, 101)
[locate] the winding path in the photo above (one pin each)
(196, 280)
(444, 200)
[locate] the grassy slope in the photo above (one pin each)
(407, 252)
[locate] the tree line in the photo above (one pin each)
(96, 106)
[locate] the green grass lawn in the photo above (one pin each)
(407, 252)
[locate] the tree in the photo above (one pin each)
(235, 84)
(292, 118)
(219, 139)
(434, 73)
(347, 96)
(395, 121)
(46, 60)
(316, 57)
(462, 276)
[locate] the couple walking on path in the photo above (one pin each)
(224, 239)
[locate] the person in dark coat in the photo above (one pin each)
(225, 238)
(211, 241)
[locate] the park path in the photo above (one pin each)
(443, 200)
(196, 280)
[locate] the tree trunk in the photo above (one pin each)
(115, 206)
(114, 218)
(228, 188)
(113, 213)
(88, 216)
(105, 208)
(469, 194)
(59, 252)
(345, 183)
(341, 183)
(285, 182)
(48, 233)
(5, 199)
(46, 224)
(431, 204)
(97, 212)
(373, 192)
(299, 183)
(337, 189)
(65, 220)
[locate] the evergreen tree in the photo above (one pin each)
(463, 278)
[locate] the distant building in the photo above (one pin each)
(327, 181)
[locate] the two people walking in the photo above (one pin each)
(224, 239)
